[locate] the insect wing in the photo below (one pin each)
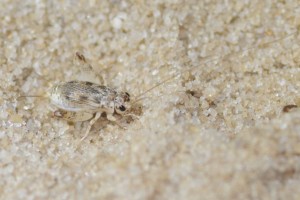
(86, 95)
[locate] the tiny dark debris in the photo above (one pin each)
(196, 94)
(288, 108)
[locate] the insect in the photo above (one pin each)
(83, 100)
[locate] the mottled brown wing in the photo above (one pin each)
(83, 95)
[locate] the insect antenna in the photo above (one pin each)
(171, 77)
(30, 96)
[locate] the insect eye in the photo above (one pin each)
(122, 108)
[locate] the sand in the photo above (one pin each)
(222, 123)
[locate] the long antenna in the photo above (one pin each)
(34, 96)
(139, 97)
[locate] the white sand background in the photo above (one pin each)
(216, 131)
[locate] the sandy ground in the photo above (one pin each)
(225, 124)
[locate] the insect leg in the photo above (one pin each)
(92, 122)
(87, 72)
(110, 117)
(72, 116)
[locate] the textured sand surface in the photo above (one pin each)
(217, 130)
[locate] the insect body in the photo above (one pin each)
(82, 100)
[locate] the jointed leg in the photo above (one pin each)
(72, 116)
(98, 114)
(87, 72)
(111, 118)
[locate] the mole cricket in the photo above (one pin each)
(79, 101)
